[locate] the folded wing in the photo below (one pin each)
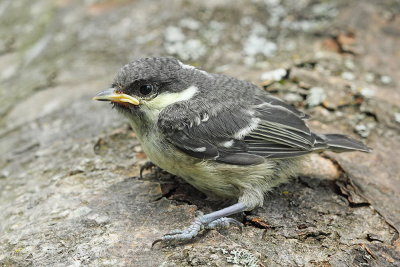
(246, 135)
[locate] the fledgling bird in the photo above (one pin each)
(224, 136)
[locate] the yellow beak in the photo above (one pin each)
(113, 96)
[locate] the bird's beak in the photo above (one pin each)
(112, 95)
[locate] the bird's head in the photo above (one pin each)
(150, 84)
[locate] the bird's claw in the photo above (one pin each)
(148, 165)
(196, 227)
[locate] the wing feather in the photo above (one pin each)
(245, 135)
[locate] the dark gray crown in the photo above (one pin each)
(160, 68)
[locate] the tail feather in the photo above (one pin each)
(339, 143)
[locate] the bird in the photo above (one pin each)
(226, 137)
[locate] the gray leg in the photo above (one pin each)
(216, 219)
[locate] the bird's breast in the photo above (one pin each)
(165, 155)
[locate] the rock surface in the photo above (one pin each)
(69, 188)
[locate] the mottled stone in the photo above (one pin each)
(69, 188)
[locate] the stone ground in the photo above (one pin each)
(69, 191)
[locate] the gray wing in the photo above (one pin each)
(243, 135)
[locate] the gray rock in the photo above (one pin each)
(69, 192)
(316, 96)
(273, 75)
(348, 75)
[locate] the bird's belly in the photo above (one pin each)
(212, 178)
(201, 174)
(167, 157)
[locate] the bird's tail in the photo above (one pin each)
(338, 143)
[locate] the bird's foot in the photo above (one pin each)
(200, 224)
(148, 165)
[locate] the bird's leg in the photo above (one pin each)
(214, 220)
(148, 165)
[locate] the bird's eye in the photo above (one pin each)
(146, 89)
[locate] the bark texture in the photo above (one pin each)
(69, 188)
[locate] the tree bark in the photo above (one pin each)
(69, 187)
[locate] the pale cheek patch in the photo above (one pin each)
(165, 99)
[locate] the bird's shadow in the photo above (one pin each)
(303, 203)
(299, 196)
